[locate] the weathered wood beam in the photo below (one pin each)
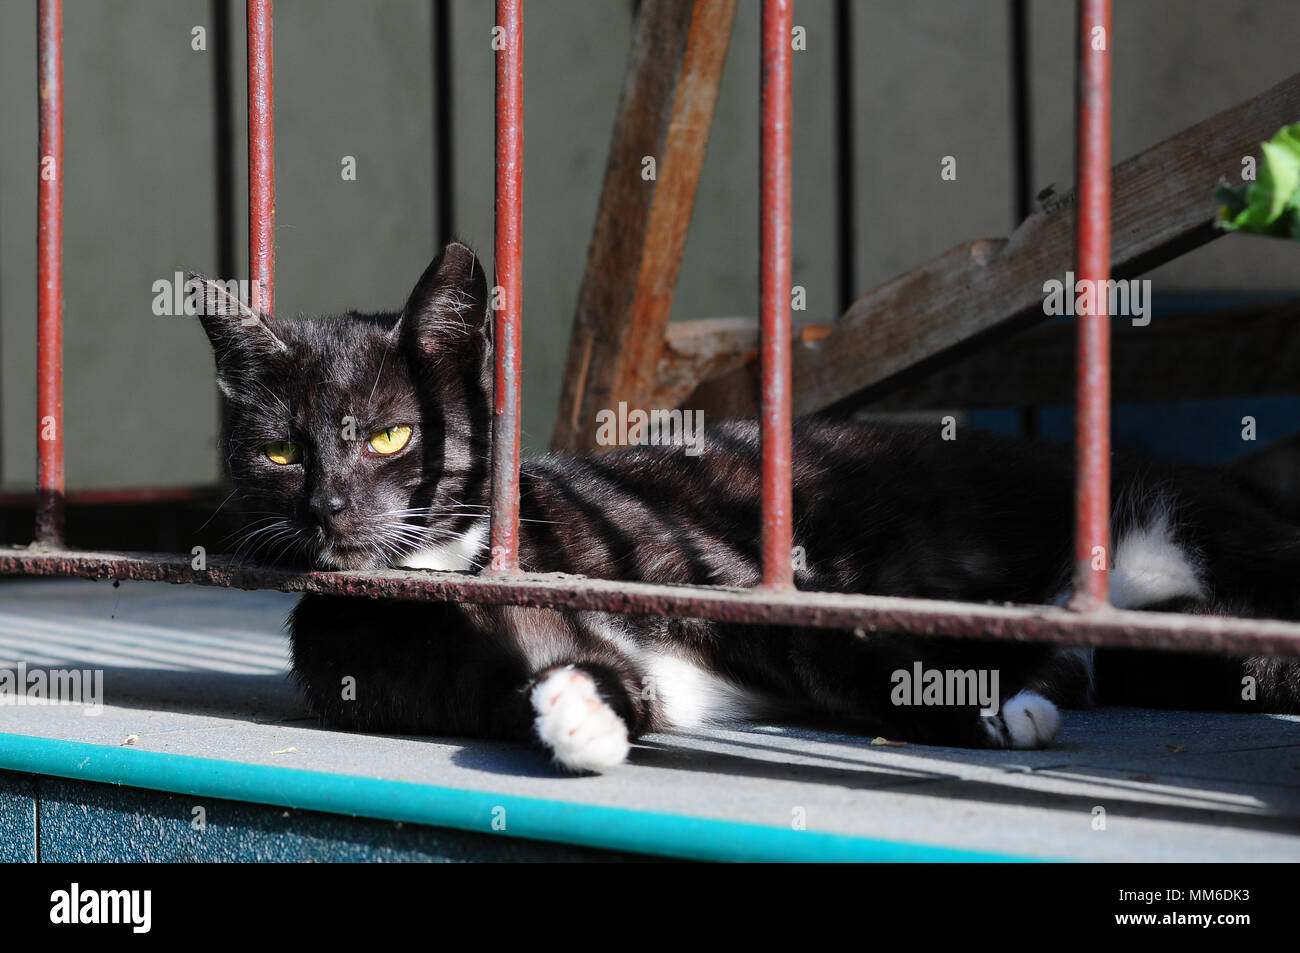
(1238, 352)
(698, 350)
(706, 348)
(665, 113)
(988, 288)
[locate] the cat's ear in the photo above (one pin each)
(447, 314)
(241, 337)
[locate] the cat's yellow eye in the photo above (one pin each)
(390, 440)
(282, 452)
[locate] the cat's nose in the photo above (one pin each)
(326, 510)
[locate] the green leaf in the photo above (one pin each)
(1271, 205)
(1231, 199)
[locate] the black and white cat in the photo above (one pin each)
(363, 441)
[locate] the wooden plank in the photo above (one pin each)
(1238, 352)
(708, 348)
(698, 350)
(988, 288)
(666, 110)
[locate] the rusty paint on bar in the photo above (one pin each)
(509, 280)
(868, 614)
(774, 294)
(49, 276)
(1092, 401)
(261, 157)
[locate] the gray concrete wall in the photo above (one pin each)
(355, 79)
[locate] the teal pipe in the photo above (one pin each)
(589, 825)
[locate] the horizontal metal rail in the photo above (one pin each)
(866, 614)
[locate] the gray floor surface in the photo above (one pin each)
(201, 672)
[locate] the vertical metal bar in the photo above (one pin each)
(261, 157)
(1092, 477)
(509, 273)
(444, 185)
(774, 293)
(49, 277)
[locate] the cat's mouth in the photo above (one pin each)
(342, 556)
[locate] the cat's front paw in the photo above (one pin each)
(575, 723)
(1027, 720)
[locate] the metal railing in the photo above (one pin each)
(1089, 619)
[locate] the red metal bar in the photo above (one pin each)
(1092, 477)
(261, 157)
(774, 294)
(509, 275)
(1107, 626)
(49, 277)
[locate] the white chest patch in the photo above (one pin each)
(461, 554)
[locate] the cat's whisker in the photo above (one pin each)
(265, 537)
(244, 531)
(295, 544)
(437, 510)
(276, 524)
(266, 543)
(228, 498)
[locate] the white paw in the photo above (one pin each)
(1027, 720)
(583, 732)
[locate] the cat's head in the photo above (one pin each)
(359, 440)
